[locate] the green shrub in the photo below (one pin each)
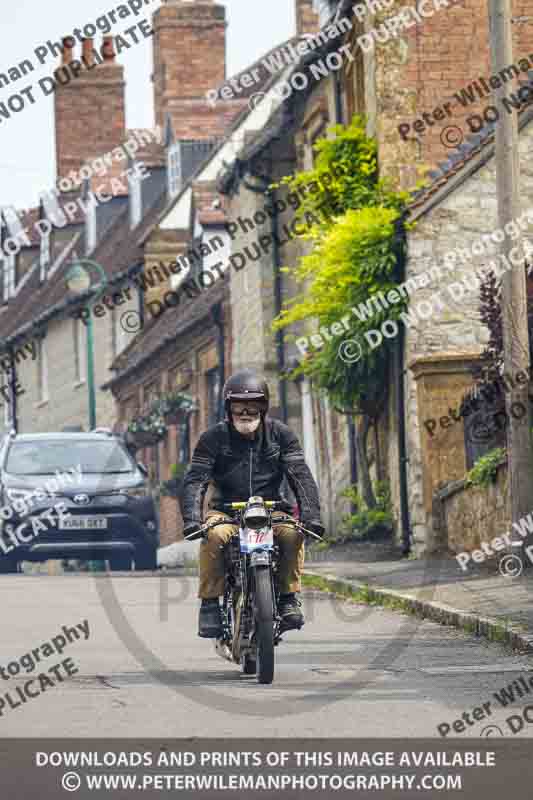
(365, 522)
(484, 471)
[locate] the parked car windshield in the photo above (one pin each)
(45, 457)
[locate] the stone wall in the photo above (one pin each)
(453, 327)
(465, 517)
(423, 68)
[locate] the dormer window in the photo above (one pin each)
(324, 9)
(135, 193)
(174, 169)
(9, 274)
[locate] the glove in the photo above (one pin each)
(315, 526)
(190, 528)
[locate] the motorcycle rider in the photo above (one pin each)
(248, 454)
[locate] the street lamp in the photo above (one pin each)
(79, 281)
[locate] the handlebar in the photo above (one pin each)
(200, 533)
(239, 506)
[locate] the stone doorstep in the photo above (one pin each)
(443, 614)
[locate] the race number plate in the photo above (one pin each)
(251, 540)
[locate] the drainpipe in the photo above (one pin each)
(278, 292)
(217, 316)
(352, 430)
(278, 288)
(399, 375)
(12, 393)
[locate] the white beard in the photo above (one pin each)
(245, 427)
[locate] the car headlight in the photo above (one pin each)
(19, 494)
(136, 491)
(20, 500)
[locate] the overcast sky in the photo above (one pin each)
(27, 154)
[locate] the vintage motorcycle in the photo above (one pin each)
(252, 627)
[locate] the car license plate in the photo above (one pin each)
(83, 523)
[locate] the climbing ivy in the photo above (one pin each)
(357, 238)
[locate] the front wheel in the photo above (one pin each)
(120, 562)
(264, 625)
(248, 665)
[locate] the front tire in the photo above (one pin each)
(264, 625)
(120, 563)
(248, 665)
(8, 566)
(146, 559)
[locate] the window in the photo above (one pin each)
(183, 439)
(79, 350)
(174, 169)
(7, 405)
(45, 253)
(213, 393)
(324, 9)
(119, 336)
(135, 192)
(9, 275)
(90, 226)
(42, 371)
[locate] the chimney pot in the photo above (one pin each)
(68, 43)
(88, 51)
(108, 48)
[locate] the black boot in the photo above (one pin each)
(210, 622)
(290, 612)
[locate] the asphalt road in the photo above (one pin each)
(352, 671)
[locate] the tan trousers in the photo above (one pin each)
(291, 545)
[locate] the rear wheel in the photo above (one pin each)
(264, 625)
(120, 563)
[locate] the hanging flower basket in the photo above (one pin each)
(175, 407)
(148, 430)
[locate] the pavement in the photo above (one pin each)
(481, 601)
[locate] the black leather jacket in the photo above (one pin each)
(240, 467)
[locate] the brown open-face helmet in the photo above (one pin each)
(246, 385)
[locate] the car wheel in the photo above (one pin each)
(146, 559)
(8, 566)
(121, 563)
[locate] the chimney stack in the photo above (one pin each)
(189, 60)
(90, 109)
(307, 20)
